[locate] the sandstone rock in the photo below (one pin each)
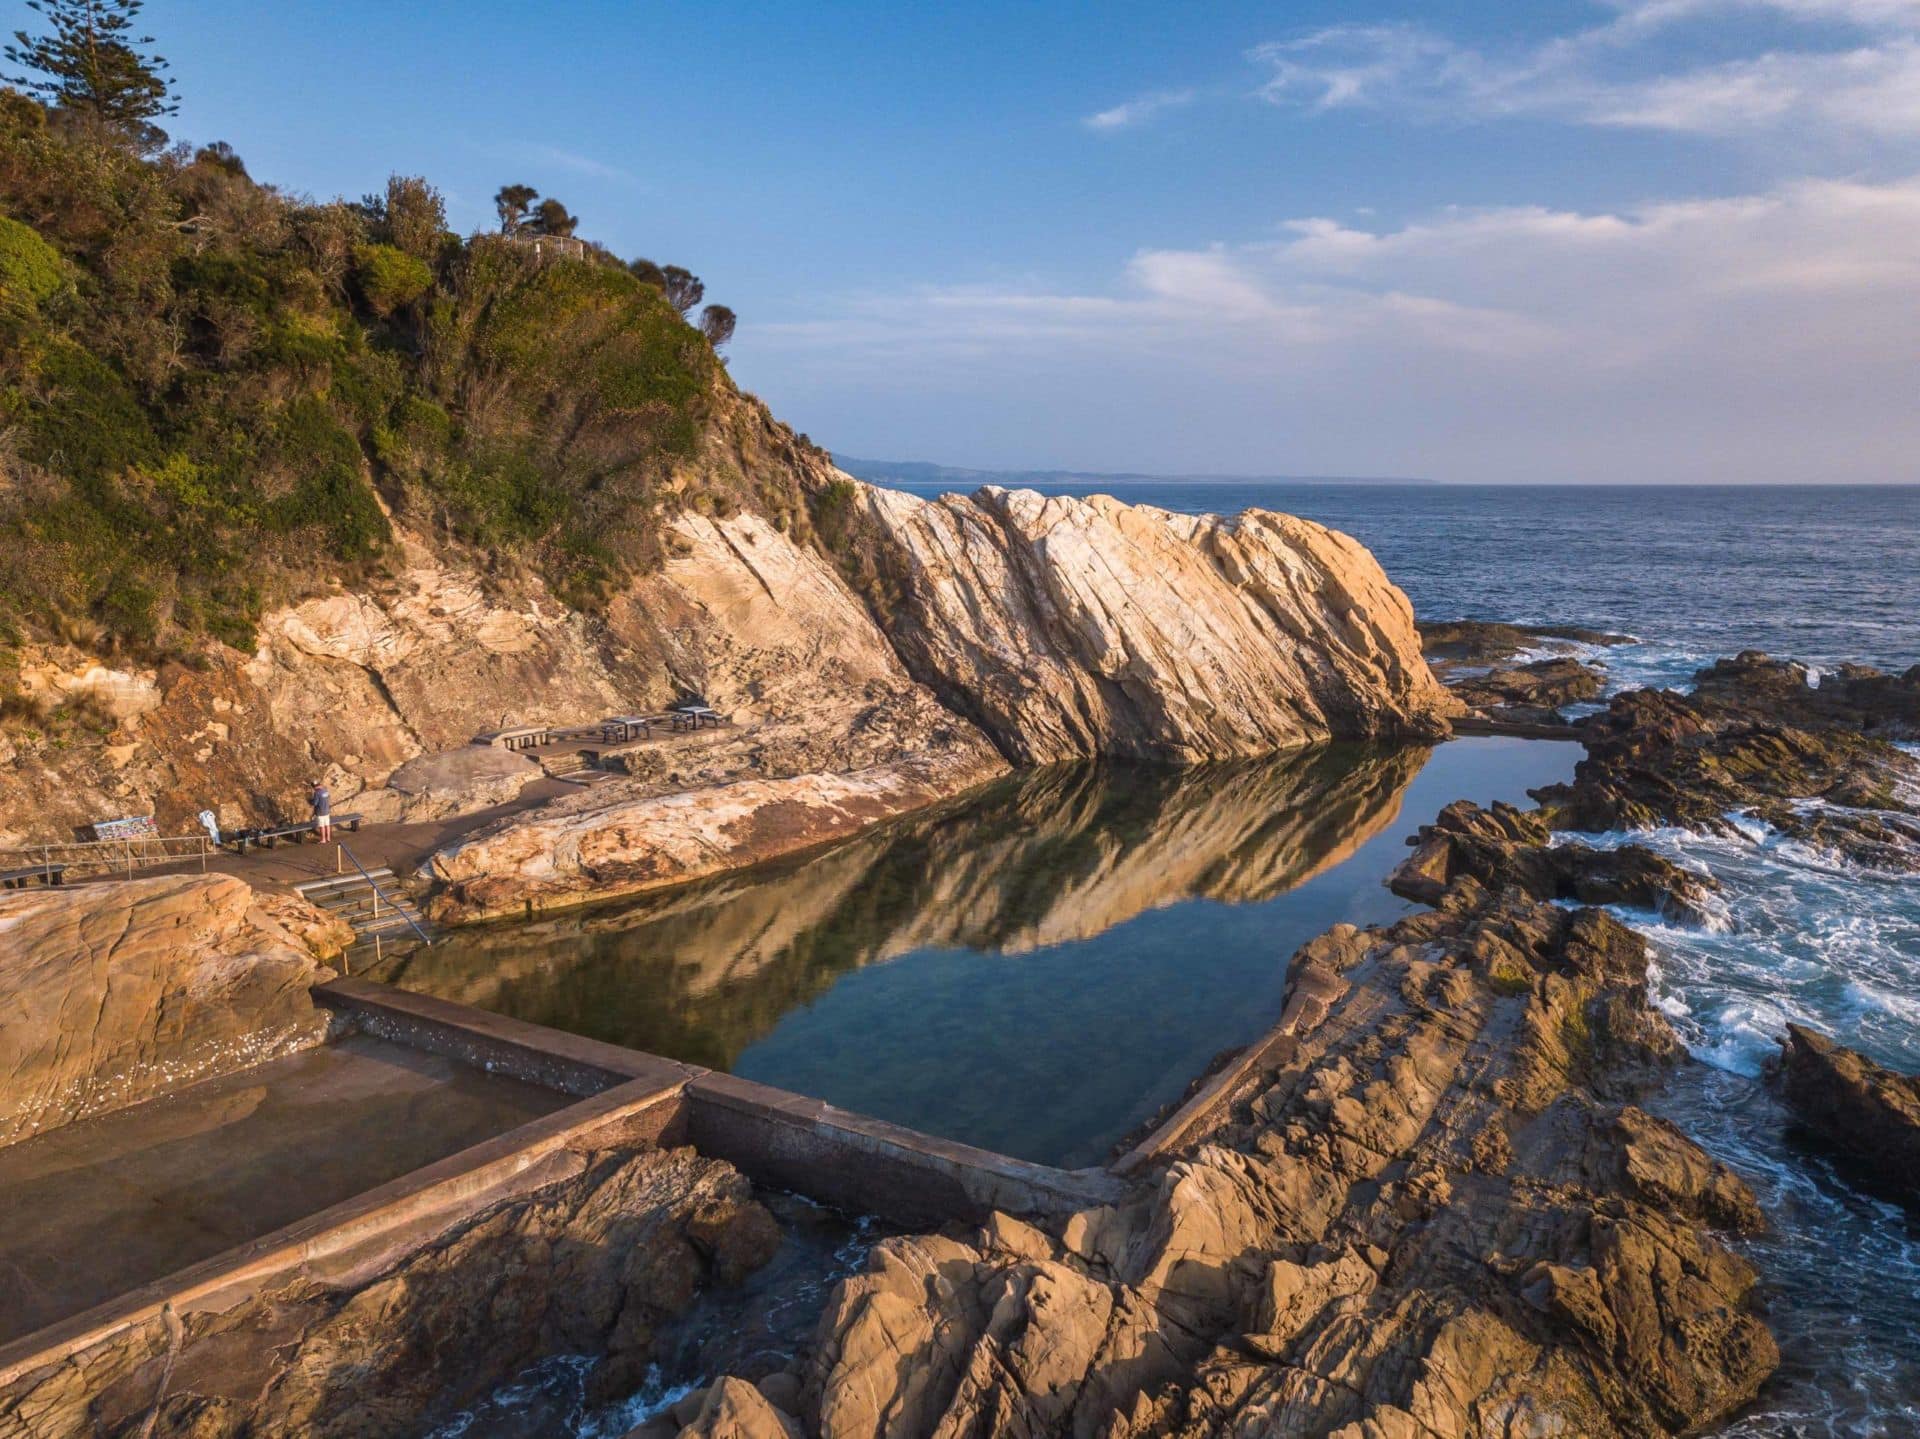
(1424, 1220)
(116, 992)
(1862, 1110)
(593, 1262)
(735, 1409)
(1067, 627)
(614, 845)
(452, 782)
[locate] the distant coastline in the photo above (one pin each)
(922, 472)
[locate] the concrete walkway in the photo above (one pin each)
(98, 1208)
(401, 848)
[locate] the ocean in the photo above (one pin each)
(1823, 574)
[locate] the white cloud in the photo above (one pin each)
(1612, 75)
(1138, 110)
(1765, 335)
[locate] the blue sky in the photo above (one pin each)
(1644, 239)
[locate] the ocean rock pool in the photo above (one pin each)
(1036, 969)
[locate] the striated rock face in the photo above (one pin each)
(113, 993)
(593, 1263)
(1068, 627)
(1862, 1110)
(600, 846)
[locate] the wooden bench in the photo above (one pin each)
(21, 878)
(246, 839)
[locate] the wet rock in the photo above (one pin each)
(116, 992)
(593, 1262)
(1506, 848)
(1860, 1109)
(1542, 686)
(1068, 627)
(1453, 643)
(1658, 758)
(1853, 697)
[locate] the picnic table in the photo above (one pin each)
(521, 737)
(691, 717)
(267, 838)
(622, 728)
(21, 878)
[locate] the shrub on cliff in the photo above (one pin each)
(210, 390)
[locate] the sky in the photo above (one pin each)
(1631, 240)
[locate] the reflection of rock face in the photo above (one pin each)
(1071, 627)
(1056, 855)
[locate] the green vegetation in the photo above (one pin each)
(213, 395)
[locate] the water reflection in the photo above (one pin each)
(1035, 969)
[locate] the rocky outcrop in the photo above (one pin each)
(1481, 644)
(1785, 692)
(117, 992)
(1434, 1212)
(603, 845)
(1069, 627)
(1508, 847)
(1658, 758)
(1863, 1111)
(596, 1263)
(1473, 659)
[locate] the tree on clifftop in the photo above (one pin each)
(716, 323)
(91, 64)
(683, 287)
(512, 202)
(550, 217)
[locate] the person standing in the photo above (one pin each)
(322, 801)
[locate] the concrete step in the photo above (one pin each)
(318, 890)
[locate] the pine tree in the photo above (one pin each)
(92, 64)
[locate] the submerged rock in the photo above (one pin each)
(1469, 657)
(1067, 627)
(1862, 1110)
(116, 992)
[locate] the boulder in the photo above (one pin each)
(116, 992)
(1859, 1109)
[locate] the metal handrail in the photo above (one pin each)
(380, 894)
(111, 855)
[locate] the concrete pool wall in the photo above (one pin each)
(618, 1097)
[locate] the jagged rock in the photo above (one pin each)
(1848, 1103)
(116, 992)
(1540, 687)
(1067, 627)
(1424, 1220)
(1658, 758)
(593, 1262)
(735, 1409)
(1507, 847)
(1853, 697)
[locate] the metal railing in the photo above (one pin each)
(114, 856)
(379, 894)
